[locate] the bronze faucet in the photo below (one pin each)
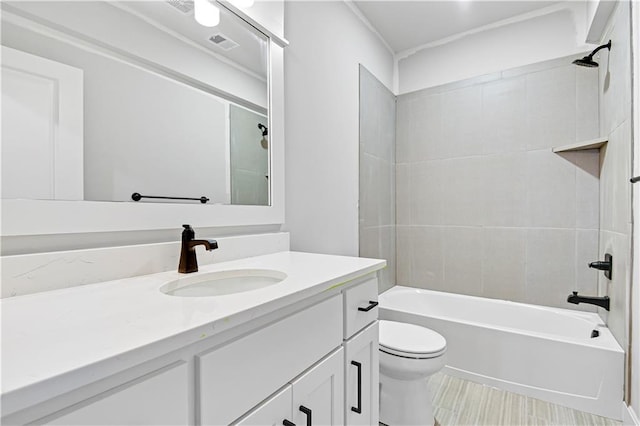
(188, 259)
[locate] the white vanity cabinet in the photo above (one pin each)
(239, 375)
(311, 362)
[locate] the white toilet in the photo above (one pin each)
(409, 354)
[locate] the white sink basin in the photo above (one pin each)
(222, 282)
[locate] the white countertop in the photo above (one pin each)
(50, 334)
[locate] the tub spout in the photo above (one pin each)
(603, 302)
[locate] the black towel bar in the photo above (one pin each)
(137, 197)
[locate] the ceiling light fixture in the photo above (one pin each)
(206, 14)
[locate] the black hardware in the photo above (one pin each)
(358, 409)
(603, 302)
(286, 422)
(588, 61)
(605, 265)
(265, 130)
(137, 197)
(188, 259)
(595, 333)
(372, 304)
(635, 179)
(307, 412)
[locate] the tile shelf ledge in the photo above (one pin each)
(582, 145)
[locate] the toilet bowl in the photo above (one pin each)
(409, 354)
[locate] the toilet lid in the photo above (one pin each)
(399, 338)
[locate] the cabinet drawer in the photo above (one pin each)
(360, 297)
(238, 376)
(154, 399)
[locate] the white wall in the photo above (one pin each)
(560, 32)
(327, 42)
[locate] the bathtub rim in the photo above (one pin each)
(605, 340)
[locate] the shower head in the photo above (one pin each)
(588, 61)
(265, 131)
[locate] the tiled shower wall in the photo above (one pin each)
(377, 218)
(615, 188)
(484, 207)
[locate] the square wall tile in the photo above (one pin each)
(505, 190)
(551, 107)
(503, 263)
(428, 141)
(427, 257)
(462, 122)
(404, 194)
(615, 72)
(380, 243)
(615, 190)
(405, 130)
(551, 189)
(464, 191)
(587, 278)
(386, 146)
(587, 104)
(369, 242)
(551, 266)
(504, 116)
(587, 188)
(463, 254)
(427, 193)
(377, 192)
(404, 253)
(388, 238)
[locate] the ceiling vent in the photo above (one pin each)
(223, 41)
(184, 6)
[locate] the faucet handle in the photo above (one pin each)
(188, 234)
(575, 293)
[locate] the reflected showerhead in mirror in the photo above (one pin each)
(588, 61)
(265, 131)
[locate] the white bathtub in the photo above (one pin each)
(545, 353)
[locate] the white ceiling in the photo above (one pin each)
(409, 24)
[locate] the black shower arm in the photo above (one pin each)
(597, 49)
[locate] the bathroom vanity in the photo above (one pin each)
(303, 350)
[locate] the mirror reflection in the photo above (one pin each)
(104, 100)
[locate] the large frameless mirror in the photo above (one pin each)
(128, 101)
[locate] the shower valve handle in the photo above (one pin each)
(605, 265)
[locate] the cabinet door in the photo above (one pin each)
(318, 395)
(154, 399)
(273, 412)
(362, 377)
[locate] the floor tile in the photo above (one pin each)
(462, 402)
